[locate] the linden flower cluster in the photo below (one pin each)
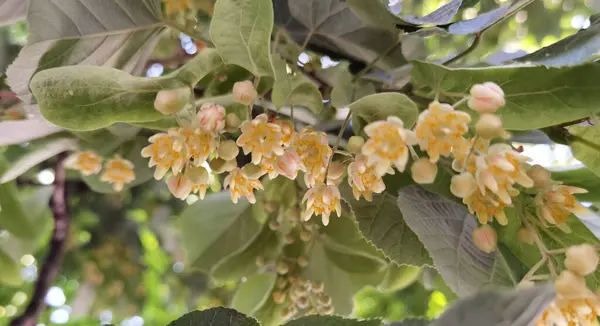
(117, 171)
(575, 304)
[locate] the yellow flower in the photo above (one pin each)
(289, 164)
(440, 128)
(180, 186)
(558, 203)
(313, 148)
(241, 186)
(579, 312)
(163, 155)
(486, 207)
(196, 143)
(200, 179)
(499, 170)
(363, 179)
(322, 200)
(461, 151)
(87, 163)
(287, 131)
(387, 145)
(118, 171)
(261, 138)
(268, 166)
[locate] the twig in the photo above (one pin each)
(58, 244)
(371, 64)
(337, 143)
(470, 49)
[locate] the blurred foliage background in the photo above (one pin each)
(124, 263)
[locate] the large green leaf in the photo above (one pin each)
(487, 20)
(515, 308)
(11, 132)
(381, 222)
(446, 228)
(87, 98)
(214, 317)
(37, 156)
(331, 321)
(399, 277)
(536, 96)
(346, 90)
(583, 178)
(571, 50)
(342, 234)
(334, 29)
(294, 89)
(252, 294)
(10, 273)
(380, 106)
(215, 228)
(12, 11)
(585, 142)
(132, 152)
(241, 31)
(343, 274)
(112, 33)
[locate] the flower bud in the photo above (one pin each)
(335, 173)
(281, 282)
(485, 238)
(198, 175)
(219, 165)
(423, 171)
(244, 92)
(489, 126)
(289, 239)
(302, 261)
(279, 297)
(289, 164)
(355, 144)
(282, 268)
(324, 300)
(211, 117)
(318, 287)
(540, 176)
(228, 150)
(569, 284)
(302, 302)
(327, 310)
(526, 236)
(274, 225)
(232, 122)
(486, 98)
(180, 186)
(260, 261)
(463, 185)
(525, 284)
(582, 259)
(253, 171)
(305, 236)
(170, 101)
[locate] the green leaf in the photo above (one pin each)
(270, 314)
(375, 13)
(411, 322)
(487, 20)
(118, 35)
(254, 293)
(381, 222)
(333, 28)
(343, 274)
(236, 266)
(11, 132)
(294, 89)
(346, 90)
(132, 152)
(342, 235)
(331, 321)
(12, 11)
(241, 31)
(536, 96)
(88, 98)
(571, 50)
(215, 228)
(10, 273)
(36, 157)
(585, 142)
(13, 217)
(214, 317)
(380, 106)
(440, 16)
(446, 228)
(583, 178)
(515, 308)
(399, 277)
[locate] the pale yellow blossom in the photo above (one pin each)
(387, 145)
(287, 131)
(118, 172)
(261, 138)
(87, 163)
(440, 128)
(211, 118)
(557, 203)
(486, 207)
(289, 164)
(163, 155)
(363, 179)
(201, 180)
(313, 148)
(180, 186)
(241, 186)
(322, 200)
(197, 144)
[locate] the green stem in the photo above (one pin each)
(374, 61)
(251, 106)
(337, 143)
(470, 49)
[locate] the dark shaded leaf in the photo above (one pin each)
(440, 16)
(446, 228)
(585, 143)
(380, 106)
(479, 23)
(331, 321)
(411, 322)
(12, 11)
(215, 317)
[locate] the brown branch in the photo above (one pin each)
(58, 244)
(470, 49)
